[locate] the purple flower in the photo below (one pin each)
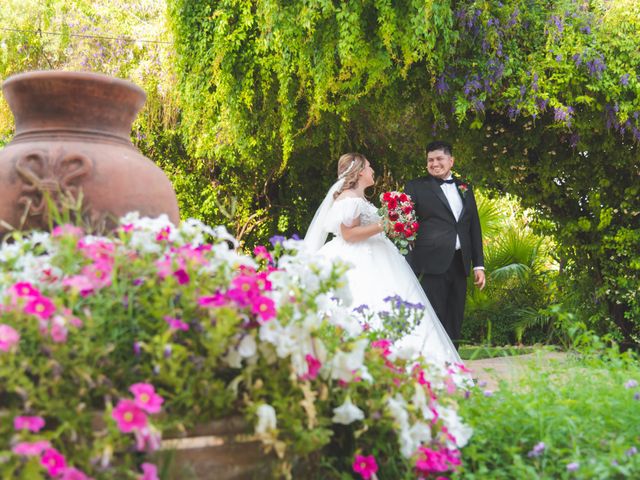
(276, 240)
(631, 452)
(559, 57)
(573, 466)
(136, 348)
(596, 67)
(577, 58)
(441, 85)
(537, 450)
(586, 29)
(361, 308)
(624, 79)
(631, 384)
(488, 393)
(295, 236)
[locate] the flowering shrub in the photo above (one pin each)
(396, 208)
(106, 342)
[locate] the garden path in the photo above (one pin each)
(509, 368)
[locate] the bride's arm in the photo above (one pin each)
(357, 232)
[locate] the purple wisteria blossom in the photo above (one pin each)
(624, 79)
(563, 114)
(596, 66)
(441, 85)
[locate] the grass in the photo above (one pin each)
(478, 352)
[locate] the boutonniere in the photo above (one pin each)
(463, 188)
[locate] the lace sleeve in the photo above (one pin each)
(344, 212)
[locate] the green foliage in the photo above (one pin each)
(541, 100)
(520, 272)
(582, 409)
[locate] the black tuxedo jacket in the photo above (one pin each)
(436, 239)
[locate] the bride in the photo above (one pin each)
(379, 270)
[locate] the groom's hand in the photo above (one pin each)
(479, 278)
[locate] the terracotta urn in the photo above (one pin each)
(72, 152)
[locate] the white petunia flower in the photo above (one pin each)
(461, 432)
(266, 419)
(347, 413)
(345, 366)
(247, 347)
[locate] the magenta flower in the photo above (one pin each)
(176, 323)
(264, 308)
(129, 416)
(313, 365)
(216, 300)
(33, 424)
(53, 461)
(163, 235)
(436, 461)
(181, 276)
(31, 449)
(383, 344)
(24, 289)
(73, 474)
(262, 253)
(9, 337)
(149, 472)
(146, 397)
(40, 306)
(99, 273)
(67, 230)
(365, 466)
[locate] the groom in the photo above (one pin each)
(449, 239)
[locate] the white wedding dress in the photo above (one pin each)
(380, 271)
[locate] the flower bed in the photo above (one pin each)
(161, 328)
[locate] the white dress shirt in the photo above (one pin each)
(455, 202)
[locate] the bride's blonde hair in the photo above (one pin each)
(349, 167)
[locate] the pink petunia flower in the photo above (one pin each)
(40, 306)
(262, 253)
(176, 323)
(149, 472)
(59, 329)
(79, 283)
(74, 474)
(67, 230)
(146, 397)
(384, 345)
(33, 424)
(99, 273)
(24, 290)
(436, 461)
(31, 449)
(129, 416)
(215, 300)
(313, 365)
(9, 337)
(264, 307)
(366, 466)
(163, 235)
(53, 461)
(181, 276)
(147, 439)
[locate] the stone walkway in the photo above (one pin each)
(491, 370)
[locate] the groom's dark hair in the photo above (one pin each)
(440, 145)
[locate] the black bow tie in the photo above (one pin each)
(440, 181)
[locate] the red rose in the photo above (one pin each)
(408, 232)
(398, 227)
(392, 204)
(386, 196)
(415, 225)
(403, 197)
(407, 210)
(393, 216)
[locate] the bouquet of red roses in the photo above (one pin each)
(399, 219)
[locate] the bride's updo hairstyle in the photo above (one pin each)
(349, 167)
